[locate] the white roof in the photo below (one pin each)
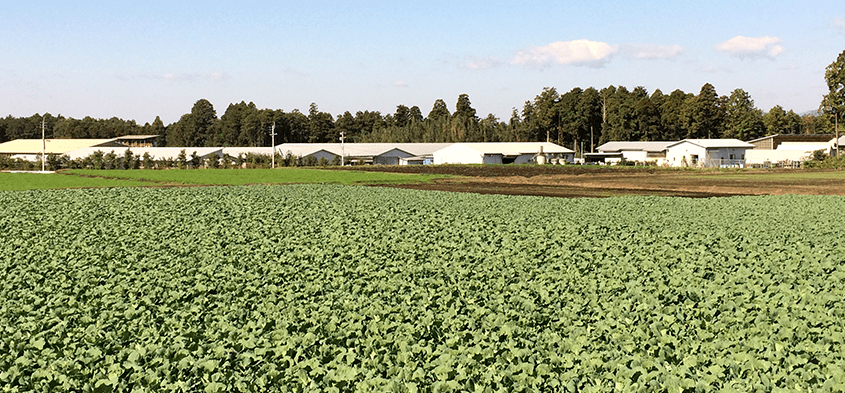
(236, 151)
(156, 153)
(715, 143)
(359, 149)
(655, 146)
(52, 146)
(515, 148)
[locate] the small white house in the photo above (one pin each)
(707, 153)
(503, 153)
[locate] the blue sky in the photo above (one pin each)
(137, 60)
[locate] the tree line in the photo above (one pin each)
(579, 118)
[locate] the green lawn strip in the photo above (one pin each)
(40, 181)
(256, 176)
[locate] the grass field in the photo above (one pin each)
(84, 178)
(39, 181)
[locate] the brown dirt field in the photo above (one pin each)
(588, 181)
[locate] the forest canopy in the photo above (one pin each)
(579, 119)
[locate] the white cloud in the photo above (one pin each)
(400, 84)
(652, 51)
(713, 70)
(838, 23)
(749, 47)
(578, 52)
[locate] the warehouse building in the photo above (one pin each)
(641, 152)
(30, 149)
(365, 153)
(503, 153)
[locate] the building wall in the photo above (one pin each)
(458, 154)
(635, 155)
(760, 156)
(492, 159)
(682, 153)
(726, 153)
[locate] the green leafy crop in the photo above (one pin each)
(334, 288)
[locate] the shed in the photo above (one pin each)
(644, 152)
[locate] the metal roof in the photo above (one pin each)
(52, 146)
(515, 148)
(715, 143)
(653, 146)
(135, 137)
(796, 137)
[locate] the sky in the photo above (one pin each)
(138, 60)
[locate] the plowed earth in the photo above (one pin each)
(587, 181)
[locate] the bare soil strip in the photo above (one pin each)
(575, 181)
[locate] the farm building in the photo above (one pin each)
(707, 152)
(503, 153)
(787, 150)
(643, 152)
(156, 153)
(365, 153)
(835, 144)
(772, 142)
(30, 149)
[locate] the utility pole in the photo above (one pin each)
(836, 133)
(43, 147)
(342, 152)
(273, 143)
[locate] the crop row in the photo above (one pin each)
(338, 288)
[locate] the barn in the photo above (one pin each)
(707, 153)
(503, 153)
(365, 153)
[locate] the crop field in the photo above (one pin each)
(332, 288)
(256, 176)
